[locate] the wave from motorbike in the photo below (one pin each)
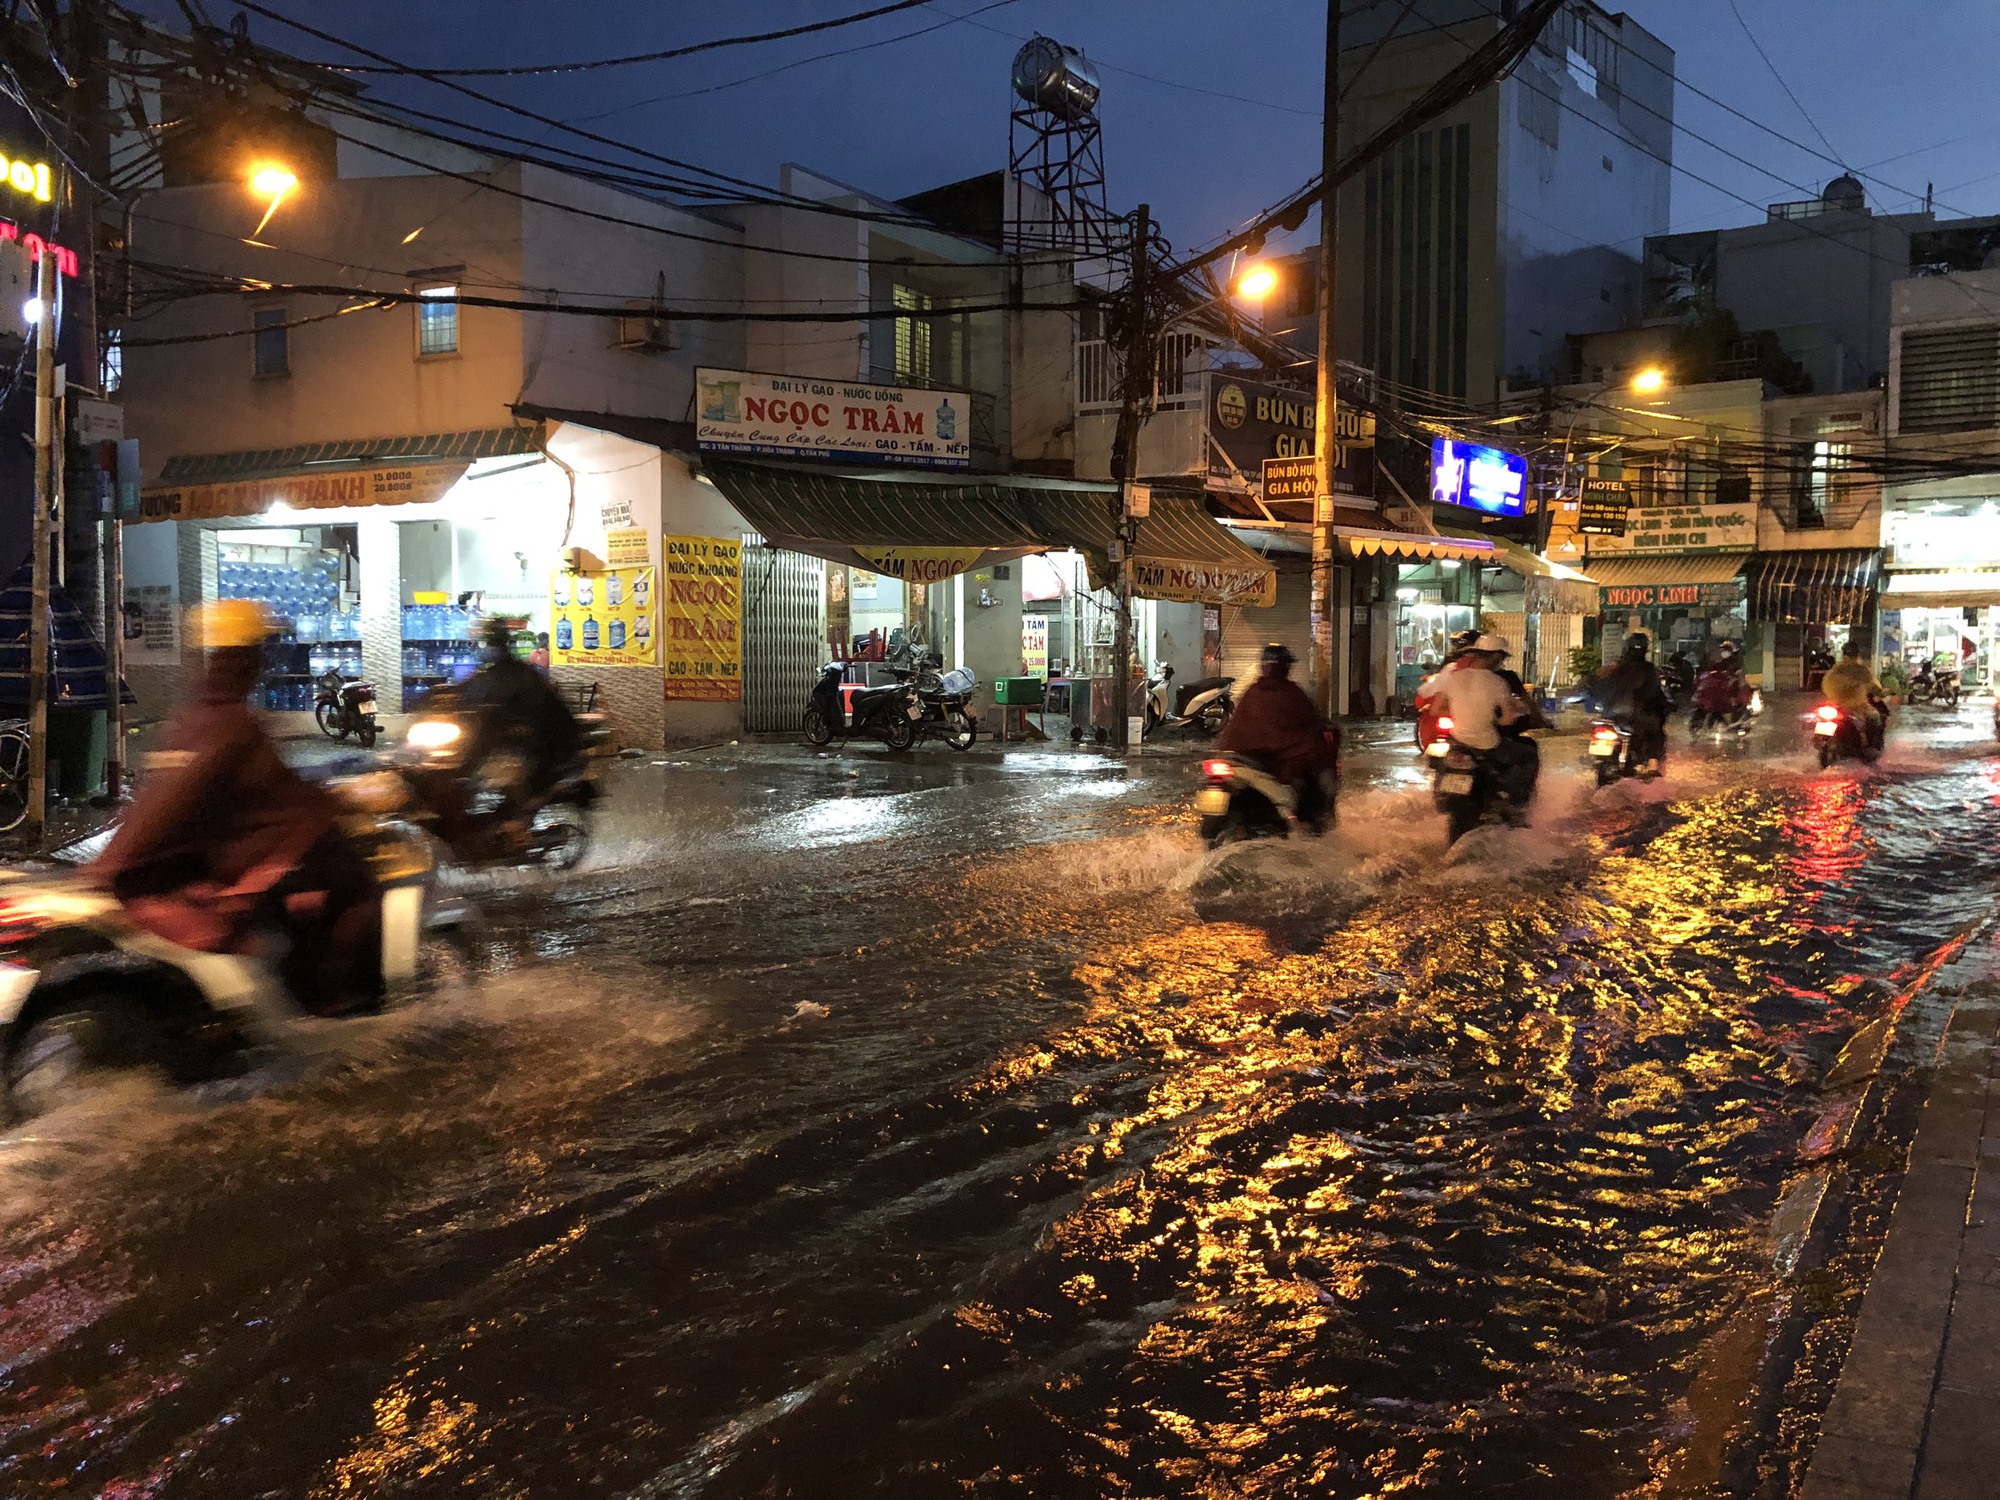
(85, 992)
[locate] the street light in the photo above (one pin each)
(1650, 381)
(271, 181)
(1258, 282)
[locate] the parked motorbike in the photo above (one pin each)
(1934, 681)
(478, 811)
(1840, 735)
(342, 708)
(1239, 799)
(84, 992)
(946, 698)
(889, 714)
(1203, 706)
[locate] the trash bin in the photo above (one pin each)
(77, 739)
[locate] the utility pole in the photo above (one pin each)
(1140, 356)
(1325, 597)
(47, 456)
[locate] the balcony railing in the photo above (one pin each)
(1179, 380)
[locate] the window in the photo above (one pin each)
(273, 341)
(437, 321)
(111, 361)
(913, 335)
(1950, 380)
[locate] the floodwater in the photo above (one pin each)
(842, 1134)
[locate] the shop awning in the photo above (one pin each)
(1358, 541)
(1964, 589)
(923, 529)
(324, 476)
(1828, 586)
(1668, 568)
(1552, 588)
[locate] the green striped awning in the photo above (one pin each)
(889, 522)
(272, 463)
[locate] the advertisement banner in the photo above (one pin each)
(1604, 506)
(784, 416)
(151, 628)
(1488, 479)
(701, 616)
(337, 489)
(1682, 528)
(1203, 583)
(922, 564)
(627, 549)
(1034, 645)
(603, 618)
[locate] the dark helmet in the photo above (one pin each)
(1637, 646)
(1463, 641)
(1276, 658)
(1852, 649)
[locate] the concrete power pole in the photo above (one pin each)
(1325, 595)
(1140, 355)
(48, 453)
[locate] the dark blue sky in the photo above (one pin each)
(1902, 89)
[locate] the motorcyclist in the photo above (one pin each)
(1630, 690)
(1279, 727)
(224, 840)
(1427, 713)
(524, 738)
(1484, 706)
(1851, 687)
(1722, 693)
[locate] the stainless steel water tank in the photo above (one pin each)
(1057, 79)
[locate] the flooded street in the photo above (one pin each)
(850, 1129)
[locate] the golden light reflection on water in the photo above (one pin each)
(415, 1438)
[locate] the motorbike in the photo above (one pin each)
(1840, 735)
(1203, 706)
(477, 811)
(85, 992)
(1934, 681)
(1611, 750)
(889, 714)
(1239, 799)
(1723, 700)
(342, 708)
(946, 698)
(1465, 784)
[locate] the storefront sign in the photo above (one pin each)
(332, 489)
(1252, 422)
(627, 549)
(31, 178)
(1210, 583)
(1488, 479)
(922, 564)
(1683, 528)
(35, 245)
(1673, 596)
(701, 613)
(1289, 479)
(737, 411)
(1603, 508)
(603, 618)
(1941, 542)
(150, 628)
(1035, 645)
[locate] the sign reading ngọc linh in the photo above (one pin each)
(1683, 528)
(785, 416)
(1671, 596)
(701, 618)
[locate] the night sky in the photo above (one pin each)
(1902, 89)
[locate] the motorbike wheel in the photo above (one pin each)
(963, 731)
(13, 778)
(1213, 718)
(72, 1048)
(328, 718)
(1825, 756)
(1213, 826)
(815, 727)
(900, 733)
(1460, 819)
(568, 843)
(1949, 696)
(366, 734)
(1607, 770)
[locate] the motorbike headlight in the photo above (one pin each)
(433, 734)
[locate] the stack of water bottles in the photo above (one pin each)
(438, 643)
(305, 601)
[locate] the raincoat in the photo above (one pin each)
(1276, 724)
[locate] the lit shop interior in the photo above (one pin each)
(1434, 601)
(1969, 635)
(452, 568)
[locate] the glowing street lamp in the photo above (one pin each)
(271, 181)
(1650, 381)
(1257, 283)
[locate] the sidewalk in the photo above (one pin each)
(1916, 1414)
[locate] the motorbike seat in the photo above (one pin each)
(874, 697)
(1189, 691)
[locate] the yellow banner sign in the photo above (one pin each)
(922, 564)
(336, 489)
(701, 613)
(604, 619)
(1204, 583)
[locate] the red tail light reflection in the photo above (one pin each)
(1217, 770)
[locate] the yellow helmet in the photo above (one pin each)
(224, 623)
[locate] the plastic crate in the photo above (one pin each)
(1018, 692)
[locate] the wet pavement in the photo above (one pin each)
(856, 1125)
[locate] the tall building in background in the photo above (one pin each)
(1471, 252)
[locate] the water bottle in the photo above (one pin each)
(590, 632)
(564, 635)
(617, 633)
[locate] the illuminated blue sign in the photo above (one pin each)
(1487, 479)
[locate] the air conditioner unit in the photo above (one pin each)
(641, 327)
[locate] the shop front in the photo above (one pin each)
(1429, 587)
(1808, 604)
(1676, 573)
(1940, 595)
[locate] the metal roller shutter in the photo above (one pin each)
(1247, 630)
(1949, 380)
(784, 634)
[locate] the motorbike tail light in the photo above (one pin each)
(1828, 713)
(1217, 770)
(1445, 726)
(1604, 732)
(433, 734)
(21, 921)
